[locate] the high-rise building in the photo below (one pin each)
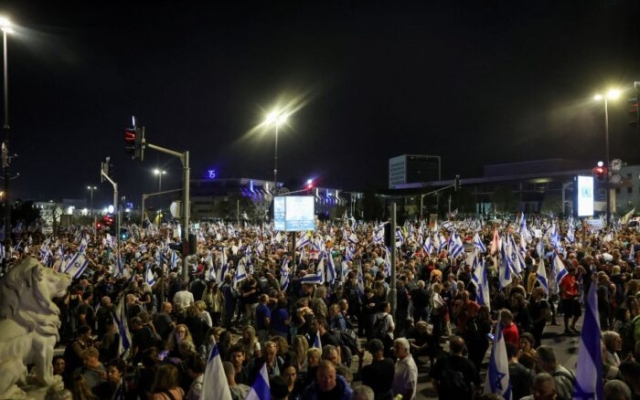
(413, 168)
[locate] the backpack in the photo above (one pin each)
(347, 338)
(378, 328)
(452, 382)
(570, 377)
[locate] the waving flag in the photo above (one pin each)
(150, 278)
(120, 318)
(558, 269)
(427, 246)
(240, 275)
(318, 277)
(588, 383)
(260, 389)
(316, 341)
(456, 247)
(284, 279)
(214, 384)
(331, 268)
(541, 276)
(477, 242)
(303, 240)
(497, 381)
(76, 266)
(481, 280)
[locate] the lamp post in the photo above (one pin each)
(159, 173)
(91, 189)
(5, 26)
(276, 118)
(611, 94)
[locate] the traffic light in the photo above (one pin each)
(456, 183)
(134, 142)
(106, 168)
(600, 173)
(309, 185)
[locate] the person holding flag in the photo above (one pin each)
(569, 293)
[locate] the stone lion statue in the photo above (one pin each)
(29, 322)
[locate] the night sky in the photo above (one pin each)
(477, 82)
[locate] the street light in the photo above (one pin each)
(5, 26)
(611, 94)
(91, 189)
(159, 173)
(276, 118)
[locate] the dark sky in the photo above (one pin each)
(477, 82)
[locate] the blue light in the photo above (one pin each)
(211, 174)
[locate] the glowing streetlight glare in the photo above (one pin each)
(5, 25)
(613, 94)
(597, 97)
(276, 118)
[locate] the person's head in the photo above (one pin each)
(202, 306)
(249, 334)
(527, 341)
(270, 352)
(84, 332)
(167, 307)
(278, 388)
(617, 390)
(401, 348)
(106, 301)
(545, 359)
(58, 365)
(115, 370)
(290, 374)
(299, 346)
(181, 333)
(330, 353)
(622, 314)
(326, 376)
(53, 394)
(457, 345)
(263, 298)
(136, 323)
(375, 346)
(282, 345)
(630, 371)
(384, 306)
(512, 351)
(313, 356)
(612, 341)
(236, 356)
(167, 378)
(506, 317)
(363, 392)
(543, 387)
(334, 310)
(90, 357)
(195, 365)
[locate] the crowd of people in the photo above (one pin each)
(315, 311)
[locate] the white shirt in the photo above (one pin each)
(183, 299)
(405, 378)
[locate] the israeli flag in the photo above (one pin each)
(481, 280)
(150, 278)
(427, 246)
(497, 381)
(558, 269)
(541, 276)
(456, 247)
(477, 242)
(331, 267)
(240, 275)
(588, 383)
(316, 341)
(260, 389)
(214, 384)
(353, 238)
(120, 318)
(77, 265)
(303, 240)
(284, 280)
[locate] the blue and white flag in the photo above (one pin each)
(260, 389)
(331, 268)
(588, 383)
(477, 242)
(284, 280)
(150, 277)
(497, 381)
(303, 240)
(241, 273)
(481, 279)
(316, 341)
(120, 318)
(353, 238)
(214, 384)
(76, 266)
(427, 246)
(558, 269)
(456, 247)
(541, 276)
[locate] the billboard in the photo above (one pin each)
(294, 213)
(583, 189)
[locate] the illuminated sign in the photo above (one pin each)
(584, 196)
(211, 174)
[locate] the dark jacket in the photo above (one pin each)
(311, 391)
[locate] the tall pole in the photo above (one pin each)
(275, 164)
(393, 291)
(606, 159)
(186, 208)
(5, 146)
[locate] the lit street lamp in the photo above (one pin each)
(159, 173)
(91, 189)
(611, 94)
(276, 118)
(5, 26)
